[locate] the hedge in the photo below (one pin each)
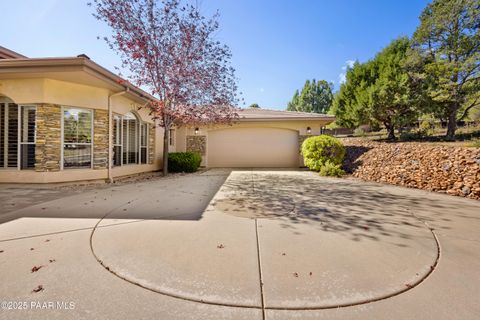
(184, 161)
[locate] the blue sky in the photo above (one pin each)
(276, 44)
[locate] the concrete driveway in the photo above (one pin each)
(246, 244)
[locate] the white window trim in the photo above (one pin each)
(20, 127)
(84, 144)
(138, 142)
(19, 135)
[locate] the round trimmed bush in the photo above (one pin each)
(319, 150)
(184, 161)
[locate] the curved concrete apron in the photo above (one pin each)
(275, 241)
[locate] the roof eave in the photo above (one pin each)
(23, 65)
(287, 119)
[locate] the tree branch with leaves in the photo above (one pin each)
(169, 48)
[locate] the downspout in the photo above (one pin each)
(110, 132)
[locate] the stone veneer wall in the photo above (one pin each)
(48, 138)
(100, 139)
(197, 144)
(151, 144)
(447, 169)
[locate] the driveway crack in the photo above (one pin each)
(262, 294)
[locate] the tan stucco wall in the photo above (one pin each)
(23, 91)
(40, 91)
(44, 90)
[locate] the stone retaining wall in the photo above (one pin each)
(447, 169)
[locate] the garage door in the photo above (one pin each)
(253, 147)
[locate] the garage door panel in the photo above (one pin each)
(253, 147)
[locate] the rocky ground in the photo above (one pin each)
(453, 170)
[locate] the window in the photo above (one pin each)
(130, 140)
(17, 135)
(77, 138)
(143, 142)
(171, 140)
(117, 140)
(27, 141)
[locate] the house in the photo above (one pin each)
(70, 119)
(260, 138)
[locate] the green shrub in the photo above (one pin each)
(184, 161)
(412, 135)
(331, 170)
(359, 132)
(319, 150)
(425, 126)
(474, 143)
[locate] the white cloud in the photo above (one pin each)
(342, 77)
(262, 90)
(350, 63)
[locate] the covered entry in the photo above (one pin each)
(253, 147)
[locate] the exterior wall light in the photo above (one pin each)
(309, 130)
(196, 130)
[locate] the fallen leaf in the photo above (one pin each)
(44, 208)
(295, 275)
(311, 273)
(35, 268)
(31, 249)
(408, 285)
(220, 246)
(283, 254)
(48, 240)
(52, 260)
(38, 288)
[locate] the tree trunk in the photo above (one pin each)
(452, 124)
(391, 131)
(166, 136)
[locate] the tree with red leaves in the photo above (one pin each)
(169, 47)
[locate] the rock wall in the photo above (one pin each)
(48, 138)
(100, 139)
(447, 169)
(197, 144)
(151, 144)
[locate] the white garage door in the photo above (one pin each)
(253, 147)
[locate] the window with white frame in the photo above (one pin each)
(17, 135)
(143, 143)
(117, 140)
(77, 132)
(171, 137)
(130, 140)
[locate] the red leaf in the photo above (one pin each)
(35, 268)
(38, 288)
